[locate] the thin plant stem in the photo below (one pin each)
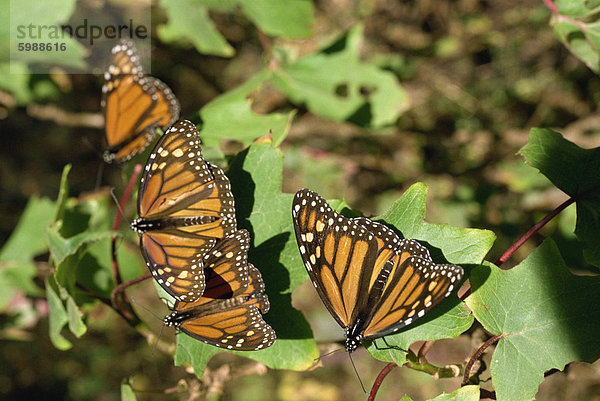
(476, 356)
(551, 6)
(118, 217)
(424, 350)
(384, 372)
(533, 230)
(119, 292)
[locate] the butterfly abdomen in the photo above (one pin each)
(140, 226)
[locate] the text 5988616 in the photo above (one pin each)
(41, 47)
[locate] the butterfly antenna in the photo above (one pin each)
(133, 301)
(357, 375)
(112, 193)
(162, 326)
(316, 360)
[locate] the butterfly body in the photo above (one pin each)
(229, 312)
(140, 226)
(134, 105)
(372, 282)
(185, 205)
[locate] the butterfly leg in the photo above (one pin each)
(387, 346)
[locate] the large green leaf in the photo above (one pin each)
(546, 317)
(340, 86)
(230, 116)
(456, 245)
(17, 269)
(33, 15)
(27, 239)
(188, 21)
(575, 171)
(263, 210)
(461, 246)
(287, 19)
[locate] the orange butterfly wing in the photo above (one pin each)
(228, 315)
(185, 204)
(134, 105)
(339, 255)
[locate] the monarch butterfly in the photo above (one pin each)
(134, 104)
(372, 282)
(184, 205)
(228, 315)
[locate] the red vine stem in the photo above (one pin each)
(384, 372)
(424, 350)
(476, 356)
(551, 6)
(118, 217)
(120, 291)
(533, 230)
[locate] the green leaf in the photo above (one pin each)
(17, 269)
(63, 193)
(27, 239)
(230, 116)
(17, 82)
(57, 315)
(127, 393)
(80, 224)
(74, 315)
(66, 252)
(449, 319)
(340, 86)
(45, 13)
(97, 276)
(572, 169)
(287, 19)
(262, 209)
(545, 317)
(62, 312)
(466, 393)
(455, 245)
(581, 36)
(575, 171)
(16, 276)
(189, 22)
(460, 246)
(190, 350)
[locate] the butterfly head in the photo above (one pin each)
(175, 318)
(139, 226)
(108, 156)
(353, 338)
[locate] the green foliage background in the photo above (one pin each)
(434, 117)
